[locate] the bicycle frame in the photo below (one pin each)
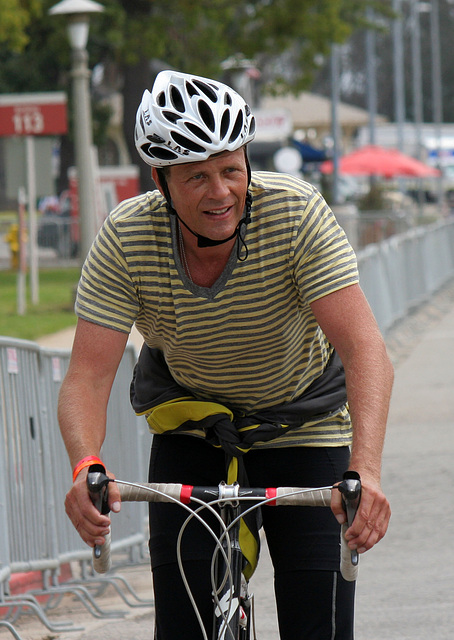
(232, 607)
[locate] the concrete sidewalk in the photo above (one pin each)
(406, 584)
(406, 587)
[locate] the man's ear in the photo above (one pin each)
(155, 176)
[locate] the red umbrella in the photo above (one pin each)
(375, 160)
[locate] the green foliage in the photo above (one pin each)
(37, 67)
(54, 311)
(197, 37)
(15, 17)
(188, 36)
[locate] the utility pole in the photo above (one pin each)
(399, 76)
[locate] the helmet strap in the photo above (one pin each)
(204, 241)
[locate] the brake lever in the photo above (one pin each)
(98, 489)
(350, 488)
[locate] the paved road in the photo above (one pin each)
(406, 587)
(406, 584)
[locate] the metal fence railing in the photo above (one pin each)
(60, 234)
(403, 271)
(35, 533)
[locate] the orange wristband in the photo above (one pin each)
(85, 462)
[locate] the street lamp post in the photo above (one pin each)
(78, 14)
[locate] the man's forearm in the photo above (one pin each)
(82, 419)
(369, 379)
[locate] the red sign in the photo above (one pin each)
(33, 114)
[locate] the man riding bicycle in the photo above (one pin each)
(261, 356)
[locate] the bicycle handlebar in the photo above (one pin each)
(350, 487)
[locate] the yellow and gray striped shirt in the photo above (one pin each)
(249, 341)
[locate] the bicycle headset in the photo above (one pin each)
(188, 118)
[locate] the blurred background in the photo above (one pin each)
(354, 96)
(325, 79)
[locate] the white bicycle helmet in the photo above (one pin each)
(188, 118)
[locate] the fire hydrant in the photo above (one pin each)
(12, 238)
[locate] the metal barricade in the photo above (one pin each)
(126, 451)
(123, 453)
(402, 272)
(53, 367)
(31, 523)
(35, 474)
(5, 570)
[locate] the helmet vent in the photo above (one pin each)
(177, 99)
(186, 143)
(225, 123)
(237, 127)
(207, 90)
(207, 115)
(159, 152)
(252, 127)
(197, 131)
(161, 99)
(171, 116)
(192, 91)
(228, 99)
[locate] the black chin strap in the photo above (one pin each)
(204, 241)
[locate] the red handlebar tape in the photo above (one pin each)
(186, 493)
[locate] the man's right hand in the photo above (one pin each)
(91, 525)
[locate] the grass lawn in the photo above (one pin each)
(54, 311)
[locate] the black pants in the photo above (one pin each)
(313, 601)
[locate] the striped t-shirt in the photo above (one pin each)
(251, 340)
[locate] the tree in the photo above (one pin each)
(182, 33)
(15, 17)
(190, 36)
